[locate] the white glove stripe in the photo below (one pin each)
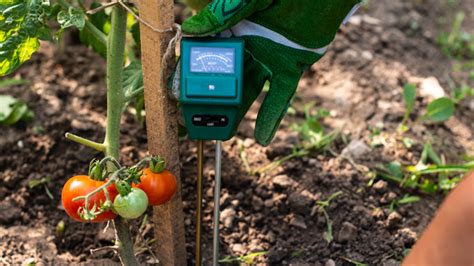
(248, 28)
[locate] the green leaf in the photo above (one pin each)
(133, 87)
(12, 82)
(22, 22)
(409, 199)
(73, 17)
(13, 110)
(448, 184)
(250, 258)
(36, 182)
(135, 30)
(409, 94)
(6, 106)
(395, 169)
(440, 110)
(429, 186)
(99, 20)
(133, 78)
(408, 142)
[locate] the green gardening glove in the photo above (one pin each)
(282, 39)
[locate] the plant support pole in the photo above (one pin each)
(162, 124)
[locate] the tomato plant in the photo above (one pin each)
(131, 205)
(81, 185)
(23, 23)
(158, 186)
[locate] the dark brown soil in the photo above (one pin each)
(388, 44)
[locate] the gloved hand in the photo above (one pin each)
(282, 39)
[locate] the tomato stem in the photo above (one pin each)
(115, 103)
(89, 143)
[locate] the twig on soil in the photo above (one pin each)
(279, 162)
(243, 157)
(359, 167)
(113, 248)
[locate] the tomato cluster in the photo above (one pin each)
(154, 187)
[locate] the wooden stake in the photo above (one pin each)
(162, 127)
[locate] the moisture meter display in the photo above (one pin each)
(212, 60)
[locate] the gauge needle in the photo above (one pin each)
(204, 65)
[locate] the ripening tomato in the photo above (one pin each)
(79, 186)
(132, 205)
(159, 187)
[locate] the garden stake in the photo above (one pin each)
(198, 257)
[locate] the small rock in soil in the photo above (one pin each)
(356, 149)
(388, 197)
(407, 235)
(235, 203)
(299, 203)
(270, 237)
(347, 233)
(254, 246)
(393, 220)
(227, 217)
(380, 186)
(238, 248)
(282, 181)
(431, 88)
(330, 262)
(9, 212)
(268, 203)
(298, 221)
(378, 213)
(257, 203)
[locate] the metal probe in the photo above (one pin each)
(200, 148)
(217, 198)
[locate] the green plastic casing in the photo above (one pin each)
(222, 102)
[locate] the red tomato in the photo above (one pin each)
(79, 186)
(159, 187)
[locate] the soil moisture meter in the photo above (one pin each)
(211, 86)
(211, 81)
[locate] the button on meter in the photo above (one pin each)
(211, 86)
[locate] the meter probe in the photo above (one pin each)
(211, 82)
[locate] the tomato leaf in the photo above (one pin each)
(133, 87)
(135, 31)
(440, 110)
(72, 17)
(133, 77)
(22, 22)
(99, 20)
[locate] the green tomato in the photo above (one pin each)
(132, 205)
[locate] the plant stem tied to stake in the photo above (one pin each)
(115, 101)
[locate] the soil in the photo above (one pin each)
(360, 80)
